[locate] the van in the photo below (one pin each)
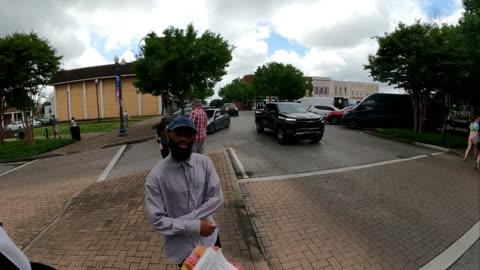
(337, 102)
(381, 110)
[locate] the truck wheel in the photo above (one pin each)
(353, 124)
(316, 139)
(260, 128)
(281, 136)
(335, 121)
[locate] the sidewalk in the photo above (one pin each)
(105, 226)
(136, 132)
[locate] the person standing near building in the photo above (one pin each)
(473, 138)
(181, 193)
(162, 138)
(54, 123)
(125, 118)
(200, 119)
(73, 122)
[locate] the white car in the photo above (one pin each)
(15, 125)
(36, 123)
(322, 109)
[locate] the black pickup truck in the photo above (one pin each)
(290, 120)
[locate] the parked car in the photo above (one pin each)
(16, 125)
(217, 119)
(290, 120)
(36, 123)
(322, 110)
(335, 117)
(187, 111)
(231, 109)
(381, 110)
(44, 120)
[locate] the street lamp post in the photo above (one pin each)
(119, 66)
(98, 107)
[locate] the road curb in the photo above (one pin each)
(245, 221)
(138, 140)
(424, 145)
(31, 158)
(237, 165)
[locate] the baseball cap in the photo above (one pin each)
(182, 121)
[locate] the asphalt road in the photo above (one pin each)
(340, 147)
(86, 165)
(262, 156)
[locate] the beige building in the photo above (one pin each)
(326, 87)
(89, 93)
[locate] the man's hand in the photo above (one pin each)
(207, 227)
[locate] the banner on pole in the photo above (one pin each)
(117, 88)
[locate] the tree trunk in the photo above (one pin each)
(415, 114)
(28, 130)
(2, 109)
(422, 105)
(182, 105)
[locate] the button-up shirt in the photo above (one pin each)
(200, 119)
(177, 196)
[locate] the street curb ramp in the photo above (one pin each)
(245, 221)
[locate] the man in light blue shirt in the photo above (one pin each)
(181, 193)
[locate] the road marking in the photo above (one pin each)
(330, 171)
(16, 168)
(455, 251)
(238, 163)
(109, 168)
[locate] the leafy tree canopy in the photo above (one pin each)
(281, 80)
(27, 64)
(237, 90)
(217, 103)
(182, 62)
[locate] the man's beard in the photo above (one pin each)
(180, 154)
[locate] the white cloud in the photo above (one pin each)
(336, 34)
(90, 57)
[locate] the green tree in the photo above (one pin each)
(281, 80)
(469, 27)
(182, 63)
(27, 64)
(237, 90)
(217, 103)
(404, 60)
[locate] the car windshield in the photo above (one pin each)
(209, 113)
(230, 105)
(291, 108)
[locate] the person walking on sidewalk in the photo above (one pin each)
(181, 193)
(473, 137)
(477, 164)
(126, 117)
(200, 119)
(54, 123)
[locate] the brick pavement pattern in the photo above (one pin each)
(106, 228)
(26, 210)
(397, 216)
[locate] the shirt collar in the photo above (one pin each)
(178, 164)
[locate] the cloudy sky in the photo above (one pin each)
(330, 38)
